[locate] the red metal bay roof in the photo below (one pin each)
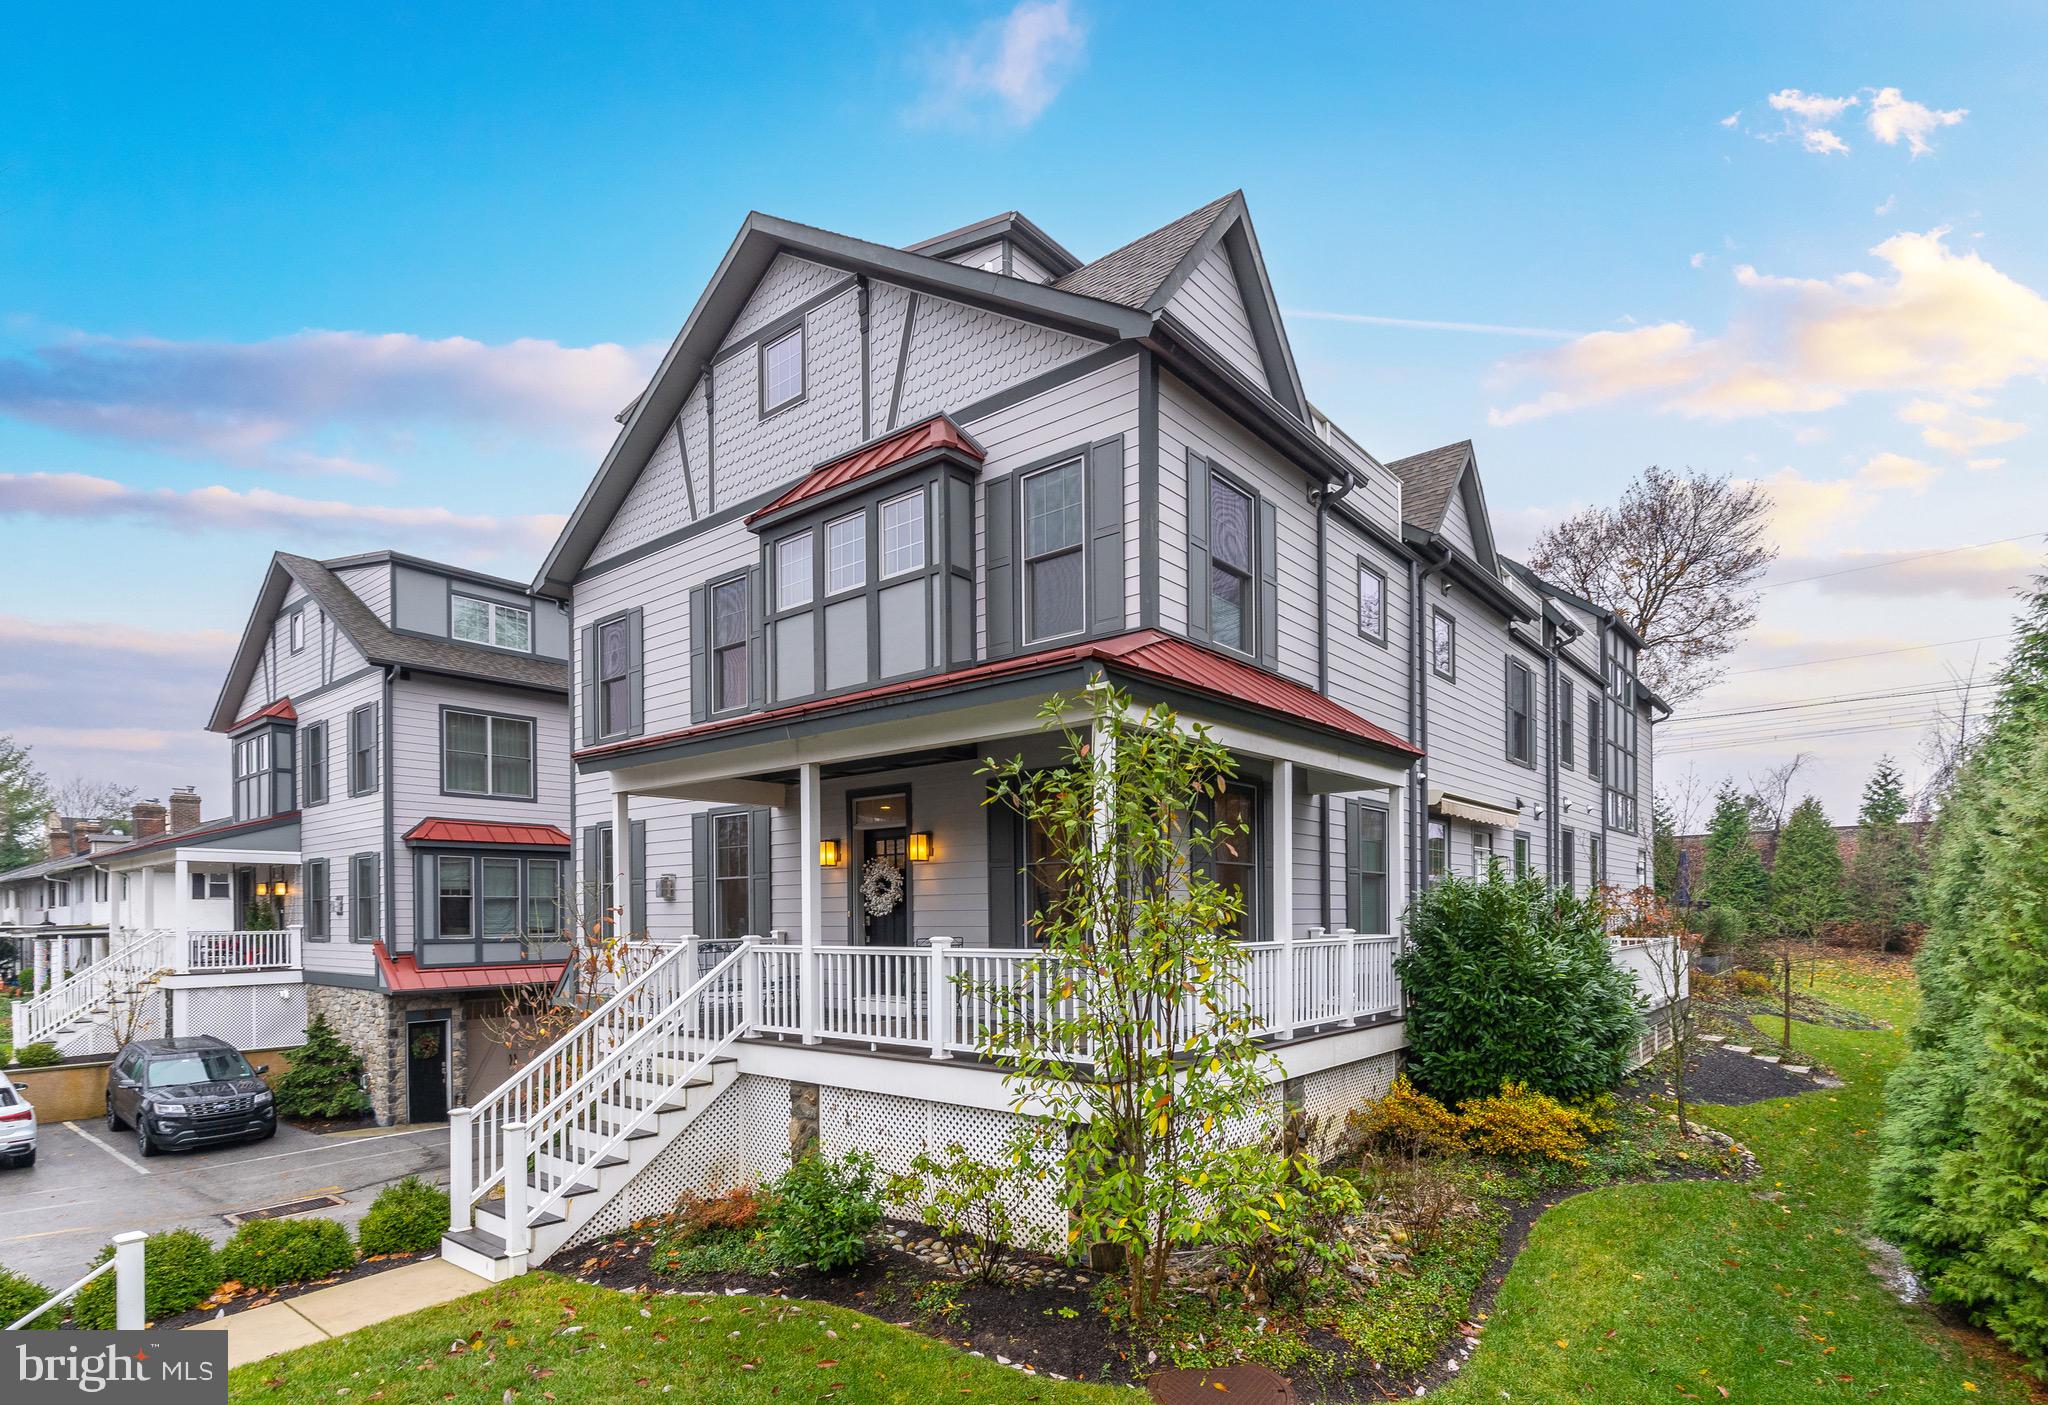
(436, 831)
(402, 974)
(1147, 653)
(282, 708)
(938, 432)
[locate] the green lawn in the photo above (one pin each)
(1758, 1292)
(546, 1339)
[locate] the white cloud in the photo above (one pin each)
(1934, 322)
(1732, 118)
(1983, 465)
(1944, 427)
(1890, 203)
(1978, 572)
(290, 404)
(1890, 470)
(1810, 108)
(261, 510)
(1823, 142)
(1009, 69)
(18, 632)
(1893, 119)
(1698, 260)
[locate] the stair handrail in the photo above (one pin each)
(477, 1138)
(141, 957)
(691, 1043)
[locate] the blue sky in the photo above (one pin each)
(329, 281)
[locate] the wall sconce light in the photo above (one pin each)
(920, 848)
(828, 853)
(262, 890)
(665, 887)
(281, 888)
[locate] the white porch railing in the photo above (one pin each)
(1651, 961)
(129, 1302)
(133, 963)
(218, 953)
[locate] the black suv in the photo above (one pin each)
(188, 1092)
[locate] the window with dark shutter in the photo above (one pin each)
(1521, 713)
(1232, 599)
(729, 639)
(362, 750)
(1055, 528)
(1565, 723)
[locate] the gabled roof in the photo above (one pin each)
(1147, 272)
(1427, 482)
(206, 832)
(936, 435)
(47, 866)
(377, 641)
(1147, 654)
(1008, 225)
(439, 831)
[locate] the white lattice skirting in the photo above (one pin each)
(247, 1016)
(741, 1139)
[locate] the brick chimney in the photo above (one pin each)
(60, 836)
(184, 809)
(146, 819)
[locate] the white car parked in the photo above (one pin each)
(17, 1125)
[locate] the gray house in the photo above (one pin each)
(877, 505)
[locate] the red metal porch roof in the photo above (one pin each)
(437, 831)
(938, 432)
(1148, 653)
(281, 708)
(402, 974)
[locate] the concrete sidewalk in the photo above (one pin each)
(332, 1312)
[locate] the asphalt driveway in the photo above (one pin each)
(88, 1185)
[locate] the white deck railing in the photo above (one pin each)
(220, 953)
(1651, 962)
(134, 962)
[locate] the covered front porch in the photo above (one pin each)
(851, 850)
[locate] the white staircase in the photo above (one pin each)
(531, 1163)
(93, 1007)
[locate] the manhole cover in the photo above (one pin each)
(290, 1207)
(1239, 1385)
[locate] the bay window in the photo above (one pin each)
(482, 908)
(263, 773)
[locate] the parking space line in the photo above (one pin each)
(130, 1162)
(302, 1151)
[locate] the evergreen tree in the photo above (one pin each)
(1962, 1168)
(1664, 851)
(325, 1079)
(1731, 871)
(1806, 879)
(24, 801)
(1884, 879)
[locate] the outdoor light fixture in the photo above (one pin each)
(281, 888)
(262, 890)
(665, 887)
(828, 853)
(920, 847)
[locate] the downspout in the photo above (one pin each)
(1550, 759)
(866, 390)
(1606, 634)
(1418, 721)
(390, 860)
(1319, 499)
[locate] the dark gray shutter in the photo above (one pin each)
(426, 912)
(1005, 923)
(1269, 585)
(757, 638)
(1106, 537)
(700, 874)
(700, 654)
(999, 550)
(1198, 546)
(1354, 887)
(761, 864)
(589, 684)
(636, 874)
(590, 893)
(636, 673)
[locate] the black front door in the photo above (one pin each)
(892, 847)
(426, 1071)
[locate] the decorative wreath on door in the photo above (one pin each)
(426, 1046)
(881, 887)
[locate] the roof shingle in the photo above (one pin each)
(1132, 274)
(1427, 481)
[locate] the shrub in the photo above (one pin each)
(408, 1217)
(1512, 982)
(39, 1055)
(967, 1202)
(19, 1294)
(1407, 1119)
(180, 1270)
(1520, 1124)
(1754, 983)
(732, 1209)
(268, 1253)
(325, 1079)
(820, 1212)
(1285, 1226)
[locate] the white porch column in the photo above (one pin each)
(1398, 858)
(147, 877)
(622, 862)
(1282, 889)
(181, 910)
(42, 959)
(810, 822)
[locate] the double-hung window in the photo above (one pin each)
(782, 370)
(362, 750)
(732, 874)
(477, 621)
(1565, 723)
(485, 754)
(614, 703)
(730, 666)
(1567, 860)
(1443, 646)
(362, 898)
(1595, 875)
(1439, 848)
(1521, 856)
(1055, 530)
(1372, 603)
(1521, 713)
(1231, 595)
(313, 761)
(315, 900)
(1593, 736)
(846, 554)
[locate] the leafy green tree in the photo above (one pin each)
(1144, 974)
(1664, 851)
(1731, 871)
(1885, 878)
(1962, 1169)
(1806, 880)
(24, 801)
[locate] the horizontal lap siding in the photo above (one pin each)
(372, 585)
(1368, 677)
(1468, 726)
(345, 826)
(1211, 302)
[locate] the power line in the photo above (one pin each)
(1687, 720)
(1898, 561)
(1732, 742)
(1874, 654)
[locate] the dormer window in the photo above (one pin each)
(264, 784)
(501, 626)
(782, 371)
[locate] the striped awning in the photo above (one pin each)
(1457, 807)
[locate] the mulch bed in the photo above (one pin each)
(1722, 1078)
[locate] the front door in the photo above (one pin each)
(890, 846)
(426, 1071)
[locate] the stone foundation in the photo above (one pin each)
(375, 1026)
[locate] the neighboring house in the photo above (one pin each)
(874, 508)
(396, 853)
(53, 913)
